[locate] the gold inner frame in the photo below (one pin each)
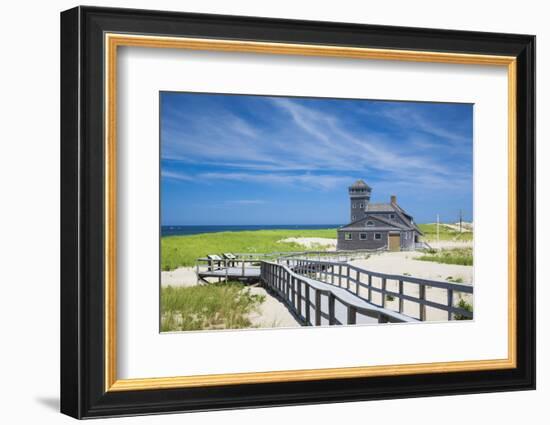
(113, 41)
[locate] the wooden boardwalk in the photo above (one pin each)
(331, 293)
(369, 285)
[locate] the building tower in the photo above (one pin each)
(359, 196)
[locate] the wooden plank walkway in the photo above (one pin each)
(317, 303)
(345, 298)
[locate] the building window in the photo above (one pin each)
(347, 236)
(363, 236)
(370, 223)
(360, 205)
(352, 217)
(353, 205)
(377, 236)
(392, 216)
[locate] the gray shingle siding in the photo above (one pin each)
(385, 218)
(406, 237)
(357, 243)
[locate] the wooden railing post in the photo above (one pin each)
(383, 293)
(352, 315)
(400, 296)
(449, 304)
(422, 307)
(370, 288)
(317, 308)
(308, 305)
(226, 271)
(340, 276)
(331, 313)
(293, 279)
(287, 286)
(299, 295)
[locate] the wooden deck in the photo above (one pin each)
(232, 273)
(242, 269)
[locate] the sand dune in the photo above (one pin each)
(313, 243)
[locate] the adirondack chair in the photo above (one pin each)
(215, 261)
(230, 256)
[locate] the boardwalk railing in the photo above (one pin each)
(242, 264)
(227, 268)
(373, 286)
(311, 301)
(338, 255)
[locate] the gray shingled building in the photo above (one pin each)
(376, 226)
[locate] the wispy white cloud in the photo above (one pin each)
(304, 181)
(174, 175)
(305, 146)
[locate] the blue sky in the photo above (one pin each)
(238, 159)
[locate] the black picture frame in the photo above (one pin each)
(83, 392)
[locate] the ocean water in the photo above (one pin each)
(194, 230)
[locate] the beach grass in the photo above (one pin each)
(466, 306)
(460, 256)
(181, 251)
(445, 233)
(207, 307)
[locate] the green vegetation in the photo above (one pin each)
(460, 256)
(178, 251)
(214, 306)
(454, 279)
(466, 306)
(445, 233)
(390, 298)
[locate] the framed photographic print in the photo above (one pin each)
(261, 212)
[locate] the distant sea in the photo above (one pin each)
(194, 230)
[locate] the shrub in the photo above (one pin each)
(465, 306)
(454, 279)
(460, 256)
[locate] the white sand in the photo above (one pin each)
(182, 276)
(272, 313)
(308, 243)
(403, 263)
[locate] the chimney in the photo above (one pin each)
(393, 199)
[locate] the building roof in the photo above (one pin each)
(380, 223)
(382, 207)
(360, 184)
(409, 224)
